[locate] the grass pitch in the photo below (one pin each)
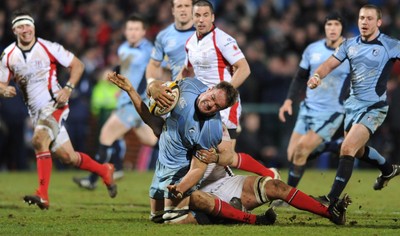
(75, 211)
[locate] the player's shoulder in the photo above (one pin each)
(8, 49)
(45, 41)
(386, 39)
(192, 85)
(315, 45)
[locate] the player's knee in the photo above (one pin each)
(40, 140)
(276, 189)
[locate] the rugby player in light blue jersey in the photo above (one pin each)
(194, 124)
(371, 56)
(134, 54)
(170, 46)
(321, 112)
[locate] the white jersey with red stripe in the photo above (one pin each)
(35, 71)
(212, 57)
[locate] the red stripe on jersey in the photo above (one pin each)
(8, 64)
(187, 50)
(221, 60)
(53, 65)
(233, 113)
(57, 113)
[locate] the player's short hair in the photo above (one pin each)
(336, 16)
(376, 8)
(138, 17)
(173, 3)
(204, 3)
(231, 93)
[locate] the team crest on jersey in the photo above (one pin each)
(375, 51)
(235, 47)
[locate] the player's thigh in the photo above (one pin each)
(146, 135)
(112, 130)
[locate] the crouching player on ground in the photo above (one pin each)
(220, 185)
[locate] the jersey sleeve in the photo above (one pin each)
(340, 52)
(305, 59)
(211, 134)
(63, 56)
(229, 48)
(157, 52)
(5, 73)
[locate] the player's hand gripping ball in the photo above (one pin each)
(160, 111)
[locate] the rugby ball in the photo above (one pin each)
(160, 111)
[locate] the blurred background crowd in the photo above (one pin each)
(271, 33)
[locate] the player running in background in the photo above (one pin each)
(134, 54)
(321, 112)
(32, 63)
(371, 56)
(170, 43)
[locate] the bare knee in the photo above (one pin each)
(201, 201)
(41, 140)
(300, 154)
(276, 189)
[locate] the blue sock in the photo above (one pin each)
(103, 155)
(343, 174)
(295, 174)
(119, 151)
(373, 157)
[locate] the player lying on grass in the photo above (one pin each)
(220, 185)
(266, 188)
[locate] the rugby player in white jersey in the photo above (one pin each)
(32, 63)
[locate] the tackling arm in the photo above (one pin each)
(192, 177)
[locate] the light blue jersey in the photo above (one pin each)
(371, 64)
(171, 42)
(329, 96)
(133, 65)
(185, 131)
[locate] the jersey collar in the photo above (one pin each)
(200, 37)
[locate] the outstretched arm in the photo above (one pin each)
(153, 121)
(323, 70)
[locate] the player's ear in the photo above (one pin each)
(379, 22)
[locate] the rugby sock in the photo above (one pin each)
(295, 174)
(343, 174)
(103, 155)
(248, 163)
(224, 210)
(117, 158)
(302, 201)
(44, 165)
(87, 163)
(332, 146)
(371, 156)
